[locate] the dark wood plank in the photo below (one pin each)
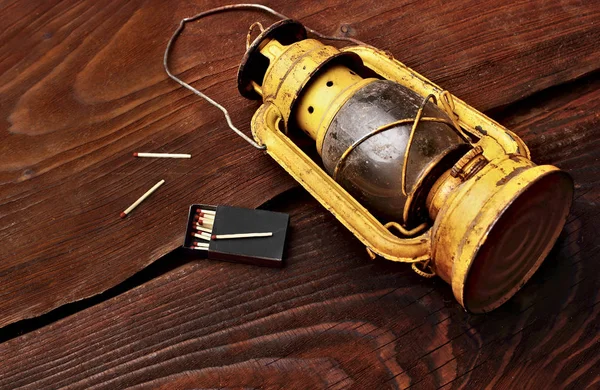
(333, 319)
(554, 339)
(82, 86)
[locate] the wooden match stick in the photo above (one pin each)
(204, 236)
(141, 199)
(204, 219)
(203, 229)
(240, 235)
(205, 214)
(205, 225)
(163, 155)
(200, 245)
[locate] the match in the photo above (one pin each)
(142, 198)
(203, 220)
(162, 155)
(203, 229)
(201, 235)
(205, 225)
(205, 214)
(239, 235)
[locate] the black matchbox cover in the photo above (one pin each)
(264, 251)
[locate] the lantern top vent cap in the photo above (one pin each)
(252, 67)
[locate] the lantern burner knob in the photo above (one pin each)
(469, 164)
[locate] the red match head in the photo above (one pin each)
(123, 215)
(135, 154)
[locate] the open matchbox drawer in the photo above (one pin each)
(264, 251)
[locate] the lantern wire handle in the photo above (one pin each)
(225, 8)
(412, 136)
(448, 106)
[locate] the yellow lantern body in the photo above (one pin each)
(467, 201)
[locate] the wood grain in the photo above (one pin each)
(333, 319)
(82, 86)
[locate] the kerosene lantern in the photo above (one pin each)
(417, 175)
(414, 173)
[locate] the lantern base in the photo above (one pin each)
(495, 230)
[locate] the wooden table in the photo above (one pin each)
(90, 300)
